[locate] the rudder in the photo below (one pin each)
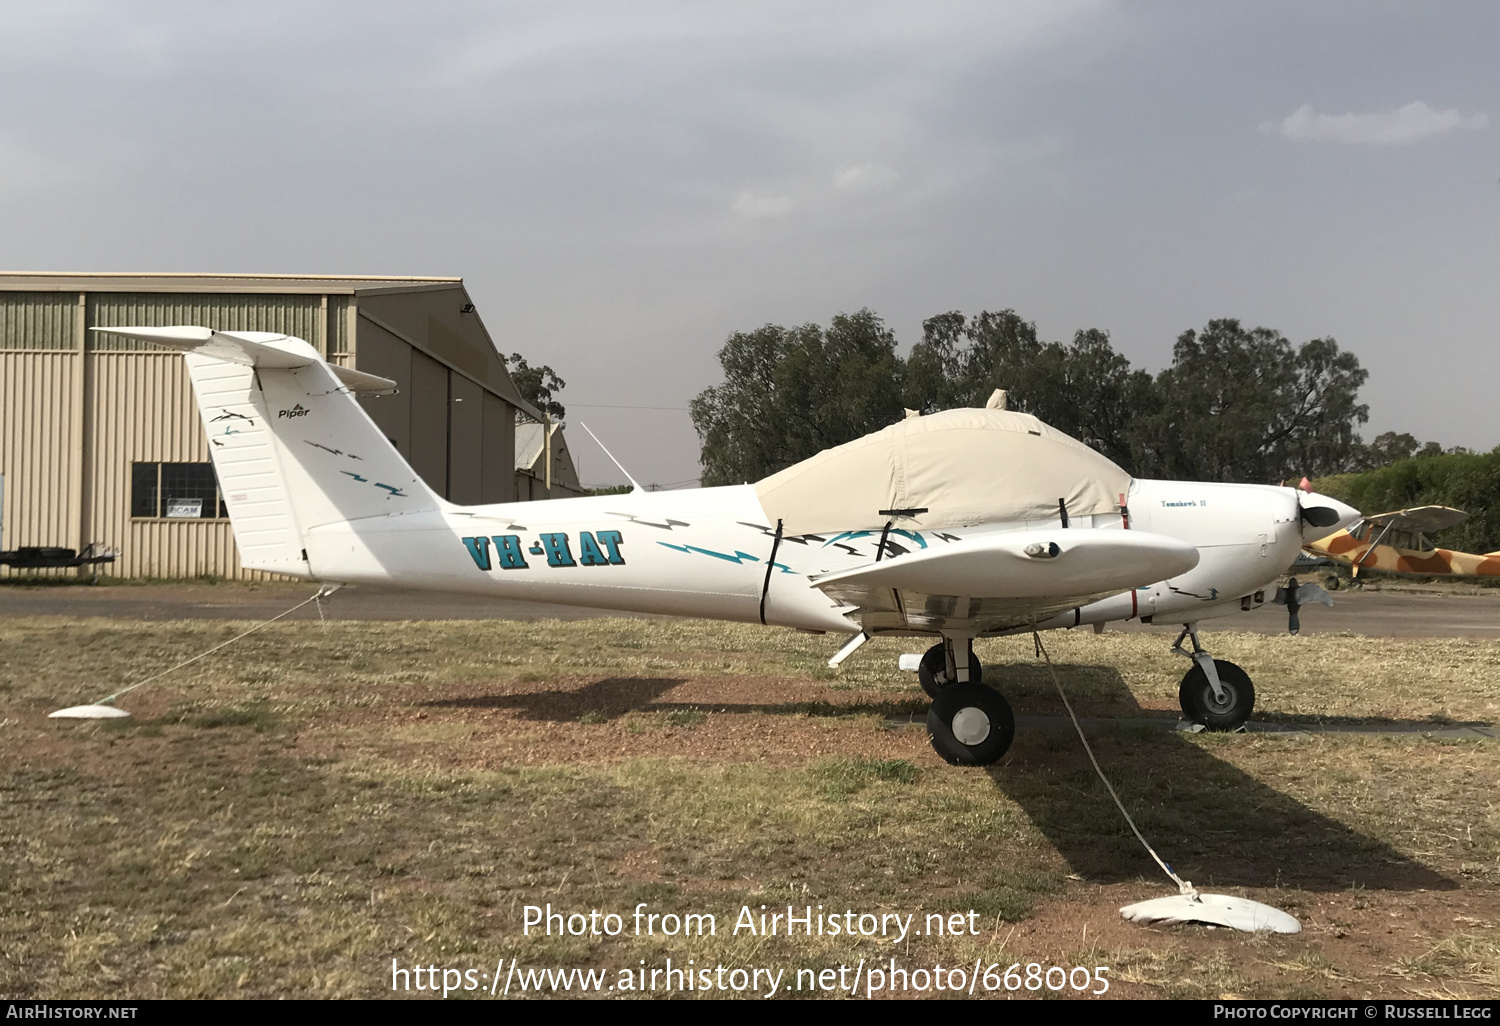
(292, 447)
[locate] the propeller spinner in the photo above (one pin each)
(1321, 515)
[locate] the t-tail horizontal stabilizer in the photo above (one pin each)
(292, 448)
(253, 348)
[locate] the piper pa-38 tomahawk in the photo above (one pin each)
(962, 524)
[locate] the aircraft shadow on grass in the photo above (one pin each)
(1369, 724)
(613, 697)
(1214, 823)
(608, 699)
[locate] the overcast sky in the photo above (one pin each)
(621, 185)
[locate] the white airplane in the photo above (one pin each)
(962, 524)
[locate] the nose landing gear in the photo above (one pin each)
(1215, 692)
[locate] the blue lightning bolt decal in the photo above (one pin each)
(914, 536)
(738, 557)
(365, 480)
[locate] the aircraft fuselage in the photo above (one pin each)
(704, 553)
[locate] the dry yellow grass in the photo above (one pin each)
(286, 818)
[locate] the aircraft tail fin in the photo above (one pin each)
(292, 447)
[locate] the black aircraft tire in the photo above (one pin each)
(970, 725)
(1196, 697)
(933, 673)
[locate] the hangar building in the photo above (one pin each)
(100, 440)
(531, 463)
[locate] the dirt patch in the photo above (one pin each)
(583, 721)
(1354, 945)
(291, 818)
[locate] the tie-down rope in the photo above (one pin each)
(1183, 886)
(320, 594)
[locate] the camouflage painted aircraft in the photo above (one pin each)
(1396, 542)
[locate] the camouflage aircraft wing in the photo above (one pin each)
(1419, 519)
(1006, 579)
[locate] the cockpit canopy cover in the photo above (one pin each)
(962, 466)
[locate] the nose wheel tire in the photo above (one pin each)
(933, 671)
(1199, 705)
(970, 724)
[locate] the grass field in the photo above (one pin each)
(287, 817)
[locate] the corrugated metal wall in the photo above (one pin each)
(40, 418)
(38, 320)
(297, 315)
(465, 441)
(338, 326)
(429, 421)
(498, 476)
(125, 386)
(386, 355)
(40, 448)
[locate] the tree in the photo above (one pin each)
(1387, 448)
(1314, 433)
(1093, 395)
(1082, 387)
(961, 361)
(1392, 447)
(1244, 405)
(1463, 480)
(789, 393)
(537, 385)
(1237, 404)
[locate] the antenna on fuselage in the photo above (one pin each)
(635, 485)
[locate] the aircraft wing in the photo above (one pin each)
(1421, 519)
(1005, 580)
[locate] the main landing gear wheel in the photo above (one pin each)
(933, 672)
(970, 724)
(1200, 706)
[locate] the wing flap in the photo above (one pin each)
(886, 609)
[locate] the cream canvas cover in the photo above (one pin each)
(962, 466)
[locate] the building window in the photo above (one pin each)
(176, 491)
